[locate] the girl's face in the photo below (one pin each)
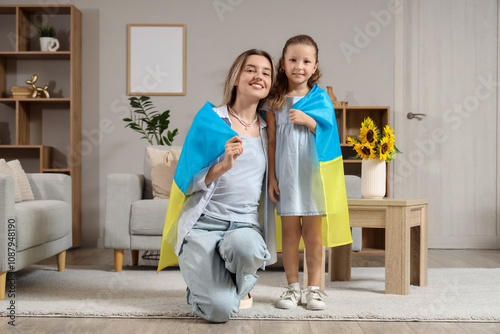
(299, 63)
(254, 79)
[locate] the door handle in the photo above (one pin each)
(411, 115)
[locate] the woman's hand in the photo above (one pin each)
(274, 190)
(299, 117)
(232, 150)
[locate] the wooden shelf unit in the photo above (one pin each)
(56, 148)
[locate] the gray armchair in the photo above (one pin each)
(32, 231)
(134, 220)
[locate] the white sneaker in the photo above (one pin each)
(314, 299)
(289, 299)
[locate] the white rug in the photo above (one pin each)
(137, 292)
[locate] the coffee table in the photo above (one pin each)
(405, 224)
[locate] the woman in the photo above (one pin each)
(218, 232)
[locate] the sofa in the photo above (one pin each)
(36, 229)
(134, 218)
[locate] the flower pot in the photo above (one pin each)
(373, 178)
(49, 44)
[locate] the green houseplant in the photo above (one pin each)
(47, 31)
(145, 119)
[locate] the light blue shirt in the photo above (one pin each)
(237, 195)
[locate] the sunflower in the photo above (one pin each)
(351, 141)
(386, 149)
(371, 144)
(389, 133)
(369, 132)
(365, 151)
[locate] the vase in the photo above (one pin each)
(373, 178)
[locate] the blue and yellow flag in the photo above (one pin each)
(336, 230)
(205, 142)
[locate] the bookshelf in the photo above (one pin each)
(43, 133)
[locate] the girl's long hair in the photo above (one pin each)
(229, 94)
(277, 96)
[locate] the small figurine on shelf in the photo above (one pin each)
(37, 91)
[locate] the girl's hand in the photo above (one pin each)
(232, 150)
(298, 117)
(274, 190)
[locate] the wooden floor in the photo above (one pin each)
(103, 259)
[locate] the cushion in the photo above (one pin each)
(24, 183)
(40, 222)
(6, 169)
(147, 217)
(163, 165)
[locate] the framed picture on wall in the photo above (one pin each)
(156, 59)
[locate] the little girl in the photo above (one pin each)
(295, 181)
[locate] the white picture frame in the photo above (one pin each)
(156, 59)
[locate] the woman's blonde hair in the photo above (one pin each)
(229, 94)
(277, 97)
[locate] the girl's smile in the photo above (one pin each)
(299, 64)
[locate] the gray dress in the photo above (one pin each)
(297, 167)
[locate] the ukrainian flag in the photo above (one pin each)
(204, 143)
(336, 230)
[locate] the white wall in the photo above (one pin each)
(364, 71)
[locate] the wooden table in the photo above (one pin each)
(405, 223)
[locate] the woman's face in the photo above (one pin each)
(255, 78)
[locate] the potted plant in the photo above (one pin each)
(149, 122)
(375, 148)
(47, 35)
(47, 31)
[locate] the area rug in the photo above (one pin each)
(138, 292)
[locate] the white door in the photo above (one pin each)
(447, 68)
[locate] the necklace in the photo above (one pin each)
(245, 124)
